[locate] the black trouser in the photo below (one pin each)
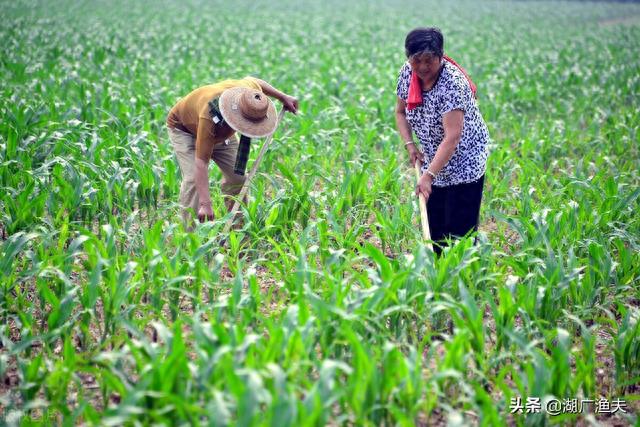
(454, 211)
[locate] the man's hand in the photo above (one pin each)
(205, 212)
(290, 104)
(414, 155)
(424, 186)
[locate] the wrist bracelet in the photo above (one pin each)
(433, 175)
(407, 143)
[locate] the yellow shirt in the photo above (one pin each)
(191, 113)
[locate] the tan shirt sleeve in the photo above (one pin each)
(253, 82)
(204, 139)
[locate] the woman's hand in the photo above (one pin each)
(414, 155)
(205, 212)
(290, 104)
(424, 186)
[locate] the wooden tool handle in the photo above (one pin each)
(245, 186)
(424, 219)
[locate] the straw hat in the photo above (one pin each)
(248, 111)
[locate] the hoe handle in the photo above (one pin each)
(245, 186)
(424, 219)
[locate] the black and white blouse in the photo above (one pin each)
(451, 92)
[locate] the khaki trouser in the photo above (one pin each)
(224, 154)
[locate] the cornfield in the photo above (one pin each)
(326, 307)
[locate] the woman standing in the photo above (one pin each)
(436, 102)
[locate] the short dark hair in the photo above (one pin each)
(424, 40)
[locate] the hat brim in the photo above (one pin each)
(230, 110)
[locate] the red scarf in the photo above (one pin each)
(415, 87)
